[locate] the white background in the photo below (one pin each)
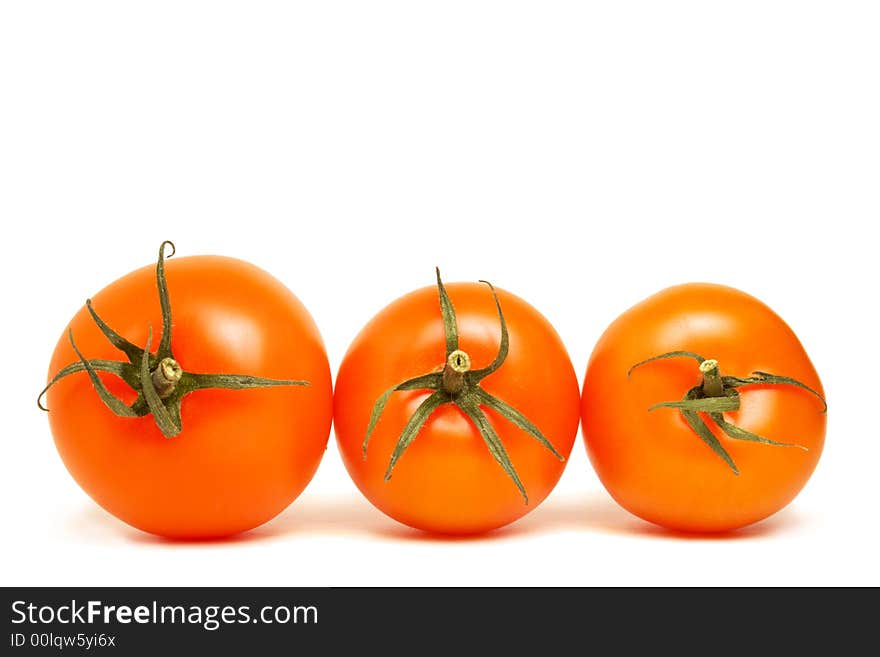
(583, 155)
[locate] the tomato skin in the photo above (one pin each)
(447, 481)
(243, 455)
(652, 463)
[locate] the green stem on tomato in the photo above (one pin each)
(712, 385)
(457, 365)
(459, 384)
(159, 380)
(715, 395)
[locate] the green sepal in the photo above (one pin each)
(765, 378)
(519, 420)
(164, 349)
(493, 442)
(130, 349)
(729, 402)
(414, 425)
(737, 433)
(447, 312)
(124, 371)
(503, 347)
(426, 381)
(668, 354)
(116, 405)
(191, 381)
(705, 433)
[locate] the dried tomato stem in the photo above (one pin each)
(712, 384)
(457, 365)
(165, 377)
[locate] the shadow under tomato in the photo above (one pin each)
(323, 514)
(95, 525)
(564, 513)
(351, 515)
(599, 513)
(314, 515)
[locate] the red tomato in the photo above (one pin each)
(241, 455)
(451, 477)
(654, 462)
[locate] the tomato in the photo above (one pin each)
(234, 457)
(491, 415)
(708, 464)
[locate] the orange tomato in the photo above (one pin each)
(241, 455)
(653, 462)
(447, 480)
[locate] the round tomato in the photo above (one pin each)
(454, 411)
(205, 409)
(721, 421)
